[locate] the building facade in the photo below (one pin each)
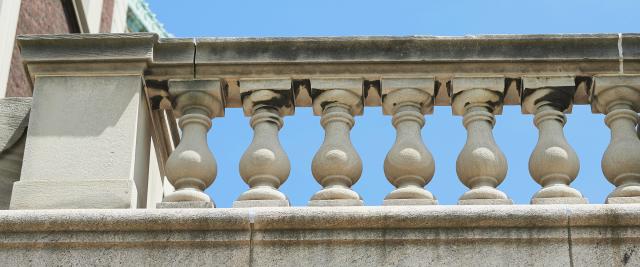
(63, 16)
(20, 17)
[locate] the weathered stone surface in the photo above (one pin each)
(261, 203)
(165, 237)
(403, 202)
(172, 59)
(605, 235)
(336, 165)
(10, 167)
(618, 97)
(185, 205)
(265, 166)
(110, 141)
(87, 47)
(191, 167)
(14, 118)
(553, 163)
(409, 165)
(490, 48)
(555, 235)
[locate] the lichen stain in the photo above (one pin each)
(627, 255)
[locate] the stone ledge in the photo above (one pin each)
(408, 48)
(531, 235)
(87, 47)
(279, 218)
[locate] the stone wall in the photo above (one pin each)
(536, 235)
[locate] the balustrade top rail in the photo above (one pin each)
(370, 58)
(196, 79)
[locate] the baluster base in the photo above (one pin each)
(485, 202)
(560, 200)
(625, 194)
(622, 200)
(336, 202)
(261, 203)
(185, 205)
(409, 202)
(484, 195)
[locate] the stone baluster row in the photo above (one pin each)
(409, 166)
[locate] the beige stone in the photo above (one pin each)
(185, 205)
(373, 57)
(71, 154)
(409, 165)
(481, 165)
(618, 97)
(10, 166)
(191, 167)
(265, 166)
(337, 165)
(553, 163)
(531, 235)
(14, 117)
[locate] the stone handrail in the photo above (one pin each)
(118, 90)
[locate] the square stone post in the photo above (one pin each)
(88, 136)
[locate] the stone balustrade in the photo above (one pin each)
(105, 108)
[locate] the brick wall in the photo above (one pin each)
(44, 17)
(106, 16)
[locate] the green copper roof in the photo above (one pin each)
(141, 19)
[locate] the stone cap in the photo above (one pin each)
(87, 47)
(496, 85)
(423, 84)
(351, 84)
(607, 89)
(211, 87)
(408, 48)
(557, 88)
(173, 58)
(70, 54)
(281, 95)
(398, 217)
(433, 55)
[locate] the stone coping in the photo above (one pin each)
(415, 48)
(310, 218)
(371, 58)
(329, 50)
(63, 48)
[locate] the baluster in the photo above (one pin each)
(481, 166)
(191, 168)
(618, 97)
(337, 166)
(264, 166)
(409, 165)
(553, 163)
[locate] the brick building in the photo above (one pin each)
(63, 16)
(19, 17)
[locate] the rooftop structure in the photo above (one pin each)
(116, 144)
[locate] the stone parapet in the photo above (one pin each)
(106, 99)
(552, 235)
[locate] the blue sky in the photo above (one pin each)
(373, 134)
